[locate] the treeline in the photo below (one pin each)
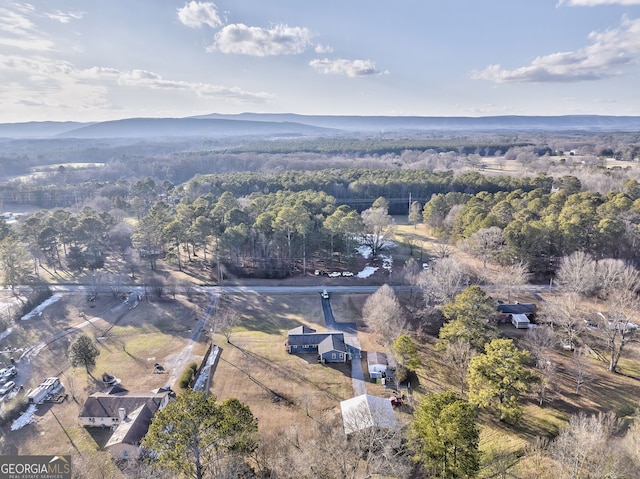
(540, 226)
(485, 145)
(360, 187)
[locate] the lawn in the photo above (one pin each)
(131, 339)
(282, 390)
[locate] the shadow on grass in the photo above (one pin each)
(268, 314)
(276, 396)
(100, 435)
(287, 374)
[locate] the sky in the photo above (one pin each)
(96, 60)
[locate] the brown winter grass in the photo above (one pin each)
(283, 391)
(131, 341)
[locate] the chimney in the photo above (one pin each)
(122, 414)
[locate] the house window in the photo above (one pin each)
(341, 355)
(114, 419)
(333, 355)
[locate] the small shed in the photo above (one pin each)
(377, 364)
(520, 321)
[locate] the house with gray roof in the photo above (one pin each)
(329, 346)
(128, 414)
(332, 349)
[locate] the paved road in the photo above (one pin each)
(75, 288)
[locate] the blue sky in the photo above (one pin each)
(109, 59)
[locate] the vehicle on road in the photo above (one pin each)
(325, 295)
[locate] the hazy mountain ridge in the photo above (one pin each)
(286, 124)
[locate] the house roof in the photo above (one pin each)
(117, 389)
(365, 411)
(312, 339)
(302, 330)
(517, 308)
(107, 405)
(374, 357)
(333, 342)
(133, 429)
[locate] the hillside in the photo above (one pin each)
(285, 124)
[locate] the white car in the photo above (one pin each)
(347, 273)
(7, 387)
(8, 373)
(335, 274)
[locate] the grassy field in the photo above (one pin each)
(282, 390)
(130, 340)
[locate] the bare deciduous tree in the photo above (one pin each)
(580, 369)
(512, 278)
(585, 448)
(224, 319)
(457, 355)
(566, 319)
(486, 243)
(379, 227)
(383, 313)
(443, 280)
(577, 273)
(545, 386)
(615, 324)
(539, 342)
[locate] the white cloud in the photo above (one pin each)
(350, 68)
(142, 78)
(59, 85)
(196, 14)
(65, 17)
(593, 3)
(260, 42)
(607, 54)
(320, 49)
(18, 31)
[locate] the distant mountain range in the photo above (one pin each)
(292, 125)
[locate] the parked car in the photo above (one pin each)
(7, 387)
(335, 274)
(347, 273)
(108, 379)
(8, 373)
